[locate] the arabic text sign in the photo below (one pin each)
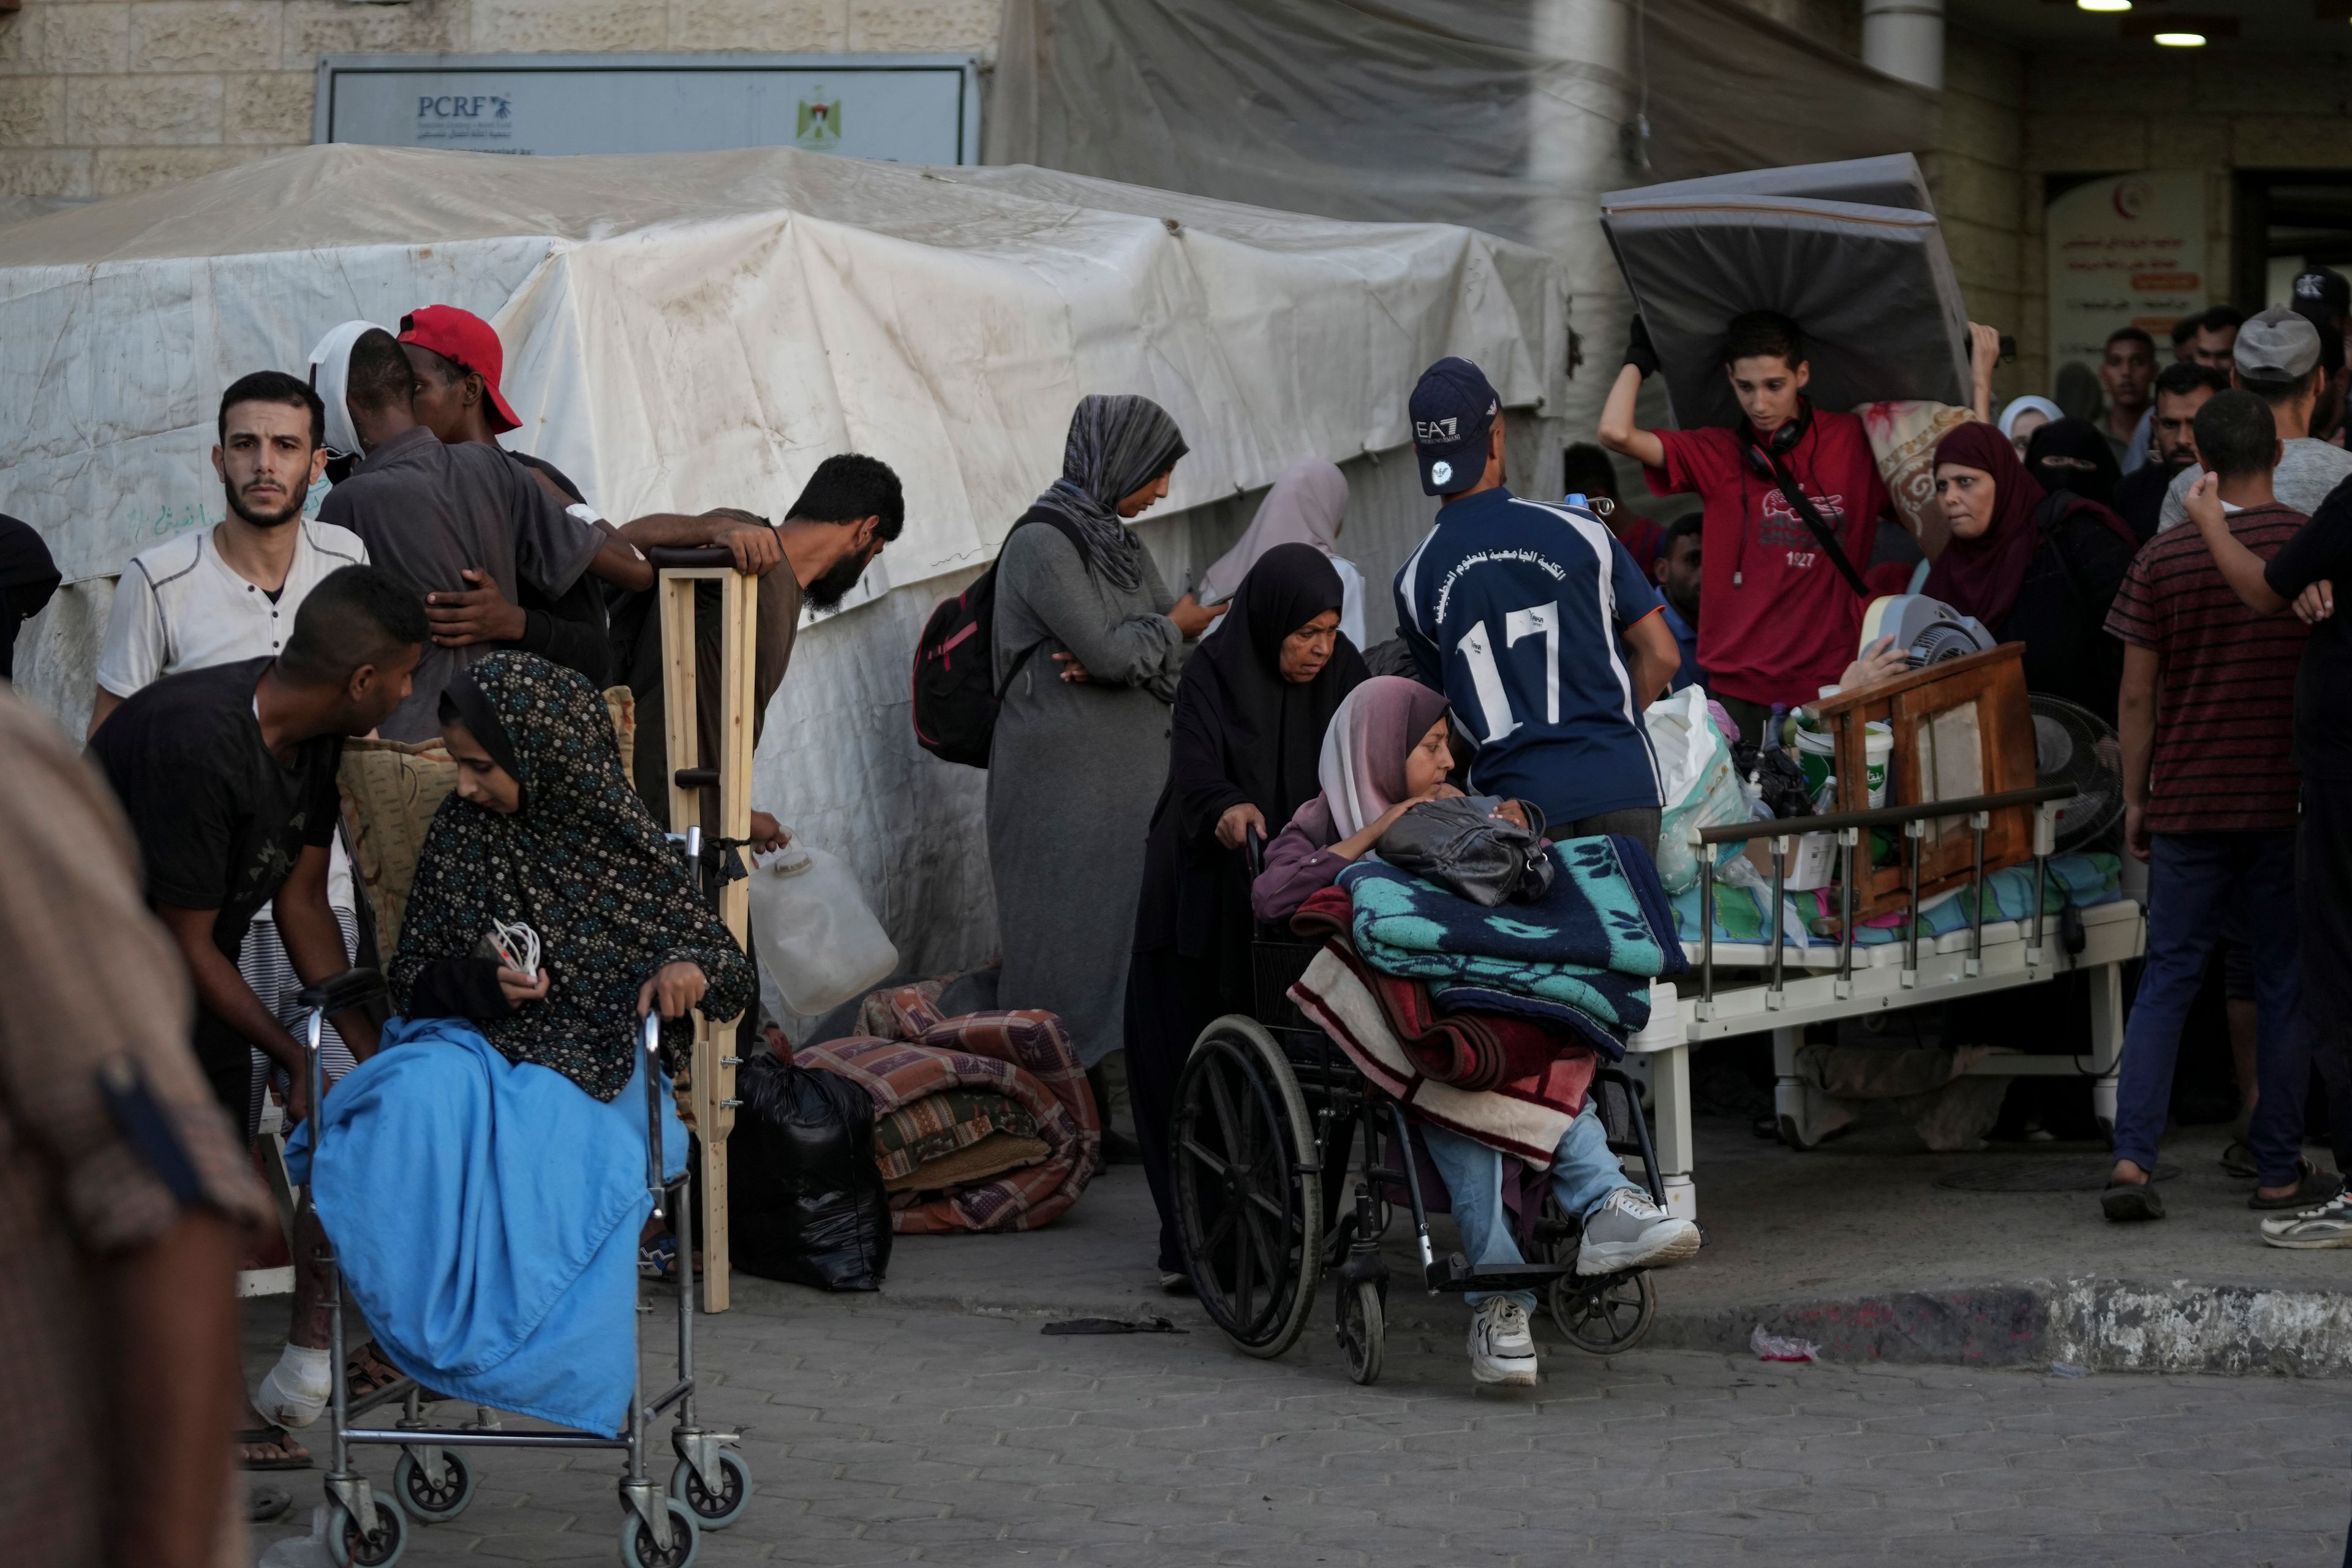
(2125, 250)
(901, 109)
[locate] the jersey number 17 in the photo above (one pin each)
(1477, 647)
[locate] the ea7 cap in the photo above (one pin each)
(2278, 344)
(468, 342)
(2327, 285)
(1453, 408)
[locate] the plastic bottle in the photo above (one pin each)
(817, 938)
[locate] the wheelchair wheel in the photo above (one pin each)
(1249, 1197)
(1606, 1315)
(713, 1510)
(349, 1547)
(441, 1494)
(1363, 1330)
(637, 1548)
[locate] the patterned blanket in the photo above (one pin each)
(1593, 943)
(1741, 914)
(1523, 1117)
(1026, 1058)
(1467, 1050)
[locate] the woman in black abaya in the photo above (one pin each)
(1248, 733)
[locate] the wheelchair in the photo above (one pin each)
(1270, 1121)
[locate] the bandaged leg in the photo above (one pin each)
(296, 1390)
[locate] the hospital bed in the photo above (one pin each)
(1779, 987)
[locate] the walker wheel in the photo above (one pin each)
(1363, 1330)
(431, 1498)
(1606, 1315)
(348, 1547)
(714, 1512)
(637, 1549)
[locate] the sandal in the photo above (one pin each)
(2132, 1201)
(271, 1437)
(2313, 1188)
(2238, 1161)
(365, 1373)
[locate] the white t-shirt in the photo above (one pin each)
(2305, 474)
(181, 606)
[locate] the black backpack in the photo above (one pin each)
(956, 695)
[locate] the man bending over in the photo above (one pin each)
(228, 775)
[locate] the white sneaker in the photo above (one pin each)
(1626, 1231)
(1501, 1349)
(2330, 1225)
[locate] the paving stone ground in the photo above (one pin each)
(883, 1433)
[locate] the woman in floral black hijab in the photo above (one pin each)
(543, 830)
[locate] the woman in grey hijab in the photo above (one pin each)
(1092, 642)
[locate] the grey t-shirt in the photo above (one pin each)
(427, 511)
(2305, 474)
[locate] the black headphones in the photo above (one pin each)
(1764, 456)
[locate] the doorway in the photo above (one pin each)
(2289, 220)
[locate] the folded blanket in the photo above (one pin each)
(1025, 1057)
(909, 1141)
(1593, 942)
(485, 1220)
(1524, 1117)
(1467, 1050)
(1585, 1029)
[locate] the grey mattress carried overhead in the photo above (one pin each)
(1850, 251)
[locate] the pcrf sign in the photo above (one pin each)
(902, 109)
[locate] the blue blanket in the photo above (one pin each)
(486, 1216)
(1593, 943)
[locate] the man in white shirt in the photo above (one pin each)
(227, 592)
(2277, 358)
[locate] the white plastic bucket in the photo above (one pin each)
(1817, 754)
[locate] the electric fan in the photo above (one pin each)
(2073, 746)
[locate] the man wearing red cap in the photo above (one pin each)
(458, 359)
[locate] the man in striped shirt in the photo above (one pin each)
(2207, 715)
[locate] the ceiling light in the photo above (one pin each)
(2103, 5)
(2181, 40)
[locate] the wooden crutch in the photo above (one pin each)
(710, 1095)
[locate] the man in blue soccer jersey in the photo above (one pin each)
(1514, 609)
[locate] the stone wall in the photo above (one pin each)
(1973, 172)
(101, 97)
(2175, 110)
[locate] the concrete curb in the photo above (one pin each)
(2101, 1325)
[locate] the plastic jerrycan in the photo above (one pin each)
(816, 937)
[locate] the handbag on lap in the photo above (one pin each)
(1460, 845)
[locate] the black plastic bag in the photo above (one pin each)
(806, 1200)
(1781, 777)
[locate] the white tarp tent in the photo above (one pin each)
(692, 330)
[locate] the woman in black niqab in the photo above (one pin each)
(2071, 454)
(1246, 741)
